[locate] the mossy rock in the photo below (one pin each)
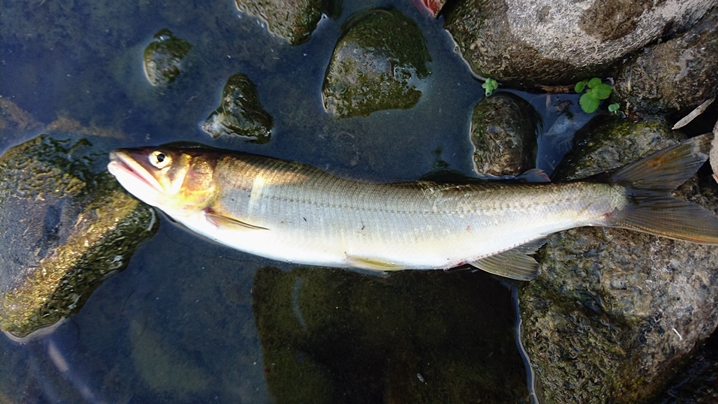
(293, 20)
(609, 142)
(241, 113)
(503, 130)
(65, 229)
(163, 58)
(374, 65)
(615, 313)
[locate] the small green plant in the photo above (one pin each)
(596, 92)
(613, 108)
(489, 86)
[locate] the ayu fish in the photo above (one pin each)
(297, 213)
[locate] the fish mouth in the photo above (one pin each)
(131, 174)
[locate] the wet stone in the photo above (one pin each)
(610, 142)
(503, 131)
(375, 65)
(163, 58)
(76, 227)
(615, 313)
(675, 75)
(293, 20)
(241, 113)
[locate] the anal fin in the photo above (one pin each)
(514, 263)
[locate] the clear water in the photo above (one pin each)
(184, 322)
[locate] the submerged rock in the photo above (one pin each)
(163, 57)
(560, 42)
(503, 130)
(293, 20)
(64, 230)
(331, 335)
(614, 313)
(241, 113)
(375, 65)
(675, 75)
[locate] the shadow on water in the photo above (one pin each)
(190, 321)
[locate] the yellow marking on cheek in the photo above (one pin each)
(177, 174)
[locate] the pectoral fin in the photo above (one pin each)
(514, 263)
(225, 221)
(372, 263)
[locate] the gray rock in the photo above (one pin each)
(675, 75)
(375, 65)
(503, 130)
(560, 41)
(163, 58)
(293, 20)
(240, 113)
(64, 230)
(614, 313)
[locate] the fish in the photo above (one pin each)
(293, 212)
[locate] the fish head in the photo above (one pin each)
(174, 180)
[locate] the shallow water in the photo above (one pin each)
(191, 321)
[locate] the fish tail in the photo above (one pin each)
(649, 183)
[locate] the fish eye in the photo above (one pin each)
(160, 159)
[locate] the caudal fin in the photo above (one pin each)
(649, 183)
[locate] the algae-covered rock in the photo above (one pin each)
(64, 229)
(375, 65)
(610, 142)
(678, 74)
(163, 57)
(241, 113)
(503, 131)
(293, 20)
(331, 335)
(614, 313)
(561, 41)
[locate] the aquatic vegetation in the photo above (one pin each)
(597, 91)
(490, 85)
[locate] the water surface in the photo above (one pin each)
(191, 321)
